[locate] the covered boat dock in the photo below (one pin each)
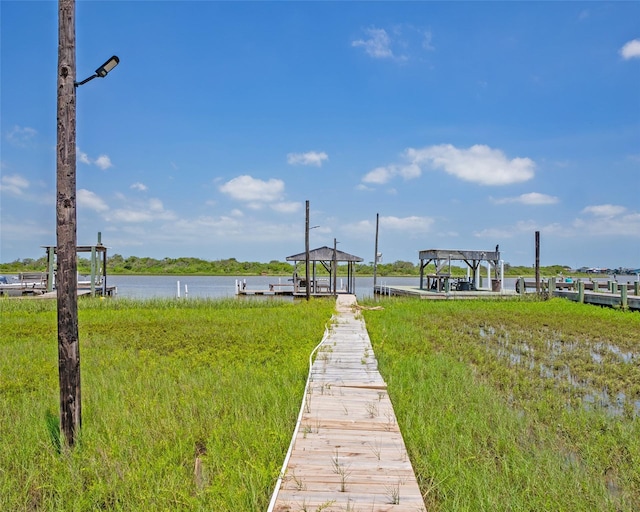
(442, 279)
(97, 282)
(329, 258)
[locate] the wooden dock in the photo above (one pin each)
(416, 291)
(347, 452)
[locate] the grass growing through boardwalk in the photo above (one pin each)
(515, 405)
(187, 405)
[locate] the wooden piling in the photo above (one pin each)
(623, 297)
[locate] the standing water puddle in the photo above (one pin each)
(583, 366)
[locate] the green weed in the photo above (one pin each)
(187, 405)
(515, 405)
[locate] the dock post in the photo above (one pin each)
(610, 285)
(580, 292)
(520, 287)
(537, 242)
(623, 297)
(552, 286)
(596, 286)
(636, 288)
(50, 271)
(94, 264)
(614, 287)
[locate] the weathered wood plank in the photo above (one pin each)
(348, 453)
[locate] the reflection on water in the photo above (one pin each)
(581, 366)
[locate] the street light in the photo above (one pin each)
(102, 71)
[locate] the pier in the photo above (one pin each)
(347, 452)
(610, 294)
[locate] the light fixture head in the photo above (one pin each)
(107, 66)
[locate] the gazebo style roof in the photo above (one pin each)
(325, 254)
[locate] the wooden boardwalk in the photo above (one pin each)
(347, 453)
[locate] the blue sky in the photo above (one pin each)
(462, 124)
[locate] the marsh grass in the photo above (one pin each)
(496, 402)
(187, 405)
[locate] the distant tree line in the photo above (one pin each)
(118, 264)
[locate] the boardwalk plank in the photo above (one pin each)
(348, 454)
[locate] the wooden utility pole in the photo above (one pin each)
(335, 267)
(537, 261)
(66, 277)
(375, 258)
(306, 253)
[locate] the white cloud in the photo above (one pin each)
(496, 233)
(409, 172)
(427, 36)
(378, 45)
(88, 199)
(284, 207)
(379, 175)
(627, 225)
(253, 191)
(148, 211)
(532, 198)
(14, 184)
(403, 42)
(309, 158)
(478, 164)
(604, 210)
(231, 229)
(139, 186)
(82, 157)
(631, 49)
(130, 215)
(21, 136)
(104, 162)
(412, 224)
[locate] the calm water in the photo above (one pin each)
(142, 287)
(220, 287)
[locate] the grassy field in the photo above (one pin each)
(515, 405)
(163, 383)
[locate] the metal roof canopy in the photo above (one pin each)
(442, 257)
(326, 255)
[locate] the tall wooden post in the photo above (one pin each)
(537, 261)
(375, 258)
(335, 267)
(67, 279)
(306, 252)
